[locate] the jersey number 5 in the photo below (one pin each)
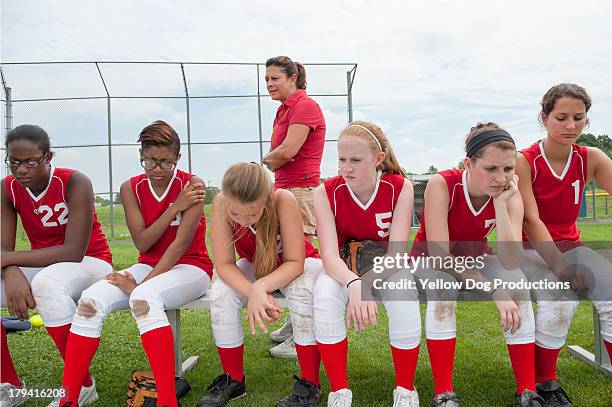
(381, 222)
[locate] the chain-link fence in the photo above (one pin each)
(94, 111)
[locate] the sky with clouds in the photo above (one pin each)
(427, 71)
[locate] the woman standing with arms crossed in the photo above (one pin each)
(553, 174)
(296, 148)
(370, 200)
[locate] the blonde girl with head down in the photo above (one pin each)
(263, 226)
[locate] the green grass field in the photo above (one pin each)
(483, 376)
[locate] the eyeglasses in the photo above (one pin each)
(28, 163)
(150, 164)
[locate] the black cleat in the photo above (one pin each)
(553, 394)
(304, 394)
(446, 399)
(528, 399)
(222, 390)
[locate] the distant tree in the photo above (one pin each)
(210, 194)
(117, 199)
(432, 170)
(460, 165)
(102, 201)
(588, 139)
(606, 144)
(602, 142)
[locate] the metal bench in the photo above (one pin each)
(181, 368)
(599, 359)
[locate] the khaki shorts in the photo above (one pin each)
(305, 200)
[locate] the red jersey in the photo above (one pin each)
(467, 228)
(558, 196)
(153, 206)
(244, 242)
(45, 217)
(356, 221)
(305, 168)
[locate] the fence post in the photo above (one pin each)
(593, 202)
(188, 119)
(110, 154)
(259, 119)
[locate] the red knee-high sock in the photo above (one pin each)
(309, 360)
(80, 350)
(59, 334)
(522, 357)
(546, 364)
(334, 357)
(232, 361)
(158, 344)
(442, 359)
(405, 362)
(608, 348)
(8, 374)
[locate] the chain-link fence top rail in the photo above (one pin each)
(94, 111)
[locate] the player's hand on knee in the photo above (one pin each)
(275, 311)
(18, 294)
(258, 306)
(510, 316)
(125, 281)
(580, 283)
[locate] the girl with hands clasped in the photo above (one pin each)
(461, 208)
(263, 226)
(369, 200)
(164, 213)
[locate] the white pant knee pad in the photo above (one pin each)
(552, 321)
(404, 324)
(89, 317)
(53, 300)
(604, 309)
(330, 299)
(225, 307)
(300, 300)
(148, 311)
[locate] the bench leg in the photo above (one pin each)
(600, 359)
(180, 368)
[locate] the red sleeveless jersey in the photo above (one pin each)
(467, 228)
(356, 221)
(45, 217)
(153, 206)
(244, 242)
(558, 196)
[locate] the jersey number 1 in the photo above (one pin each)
(576, 185)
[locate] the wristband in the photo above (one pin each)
(352, 281)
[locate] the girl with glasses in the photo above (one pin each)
(164, 213)
(68, 249)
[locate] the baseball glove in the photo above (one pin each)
(142, 390)
(359, 255)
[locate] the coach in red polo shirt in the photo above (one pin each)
(298, 136)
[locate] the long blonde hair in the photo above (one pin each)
(390, 165)
(249, 183)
